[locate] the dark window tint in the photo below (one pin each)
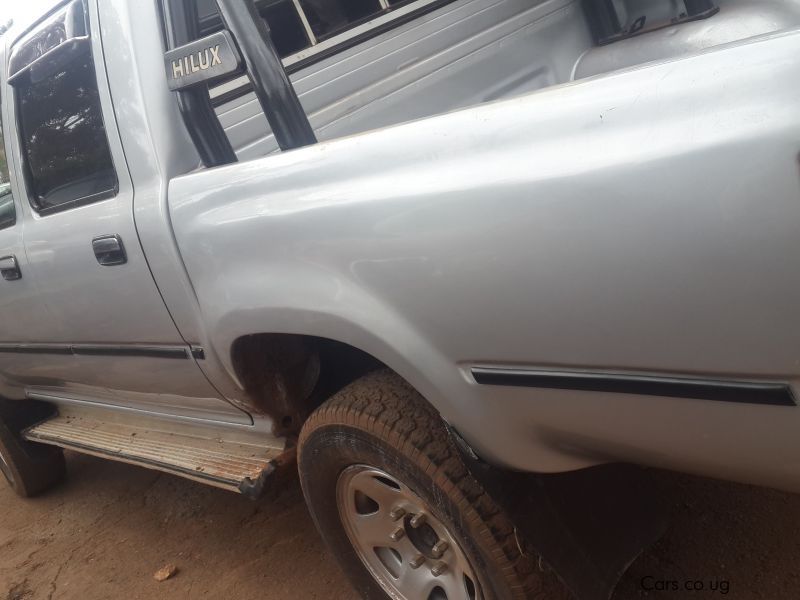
(8, 215)
(329, 17)
(285, 24)
(289, 20)
(64, 139)
(286, 28)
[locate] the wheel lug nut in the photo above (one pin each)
(439, 548)
(418, 520)
(417, 561)
(397, 534)
(438, 569)
(397, 513)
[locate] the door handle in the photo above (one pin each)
(9, 268)
(109, 250)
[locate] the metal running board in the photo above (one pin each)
(229, 465)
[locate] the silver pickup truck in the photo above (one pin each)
(385, 237)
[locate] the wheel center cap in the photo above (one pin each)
(423, 537)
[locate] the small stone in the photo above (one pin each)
(165, 572)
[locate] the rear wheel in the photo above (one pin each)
(397, 506)
(28, 467)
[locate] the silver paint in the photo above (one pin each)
(84, 302)
(157, 148)
(463, 54)
(644, 221)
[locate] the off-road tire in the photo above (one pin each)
(381, 421)
(29, 468)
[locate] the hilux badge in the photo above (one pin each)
(205, 59)
(202, 61)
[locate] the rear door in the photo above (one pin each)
(81, 240)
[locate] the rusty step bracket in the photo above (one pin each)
(235, 466)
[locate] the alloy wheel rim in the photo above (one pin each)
(406, 548)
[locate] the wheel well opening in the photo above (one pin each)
(287, 376)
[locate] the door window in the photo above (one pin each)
(65, 148)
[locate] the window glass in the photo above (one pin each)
(329, 17)
(296, 25)
(8, 215)
(63, 137)
(286, 26)
(288, 33)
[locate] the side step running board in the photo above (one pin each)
(234, 466)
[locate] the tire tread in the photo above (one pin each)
(384, 405)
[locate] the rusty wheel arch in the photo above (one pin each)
(287, 376)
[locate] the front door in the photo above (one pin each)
(82, 244)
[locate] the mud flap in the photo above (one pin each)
(588, 526)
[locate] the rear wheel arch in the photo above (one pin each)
(288, 375)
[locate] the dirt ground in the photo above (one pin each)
(105, 532)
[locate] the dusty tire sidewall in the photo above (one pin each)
(7, 470)
(329, 450)
(34, 467)
(7, 447)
